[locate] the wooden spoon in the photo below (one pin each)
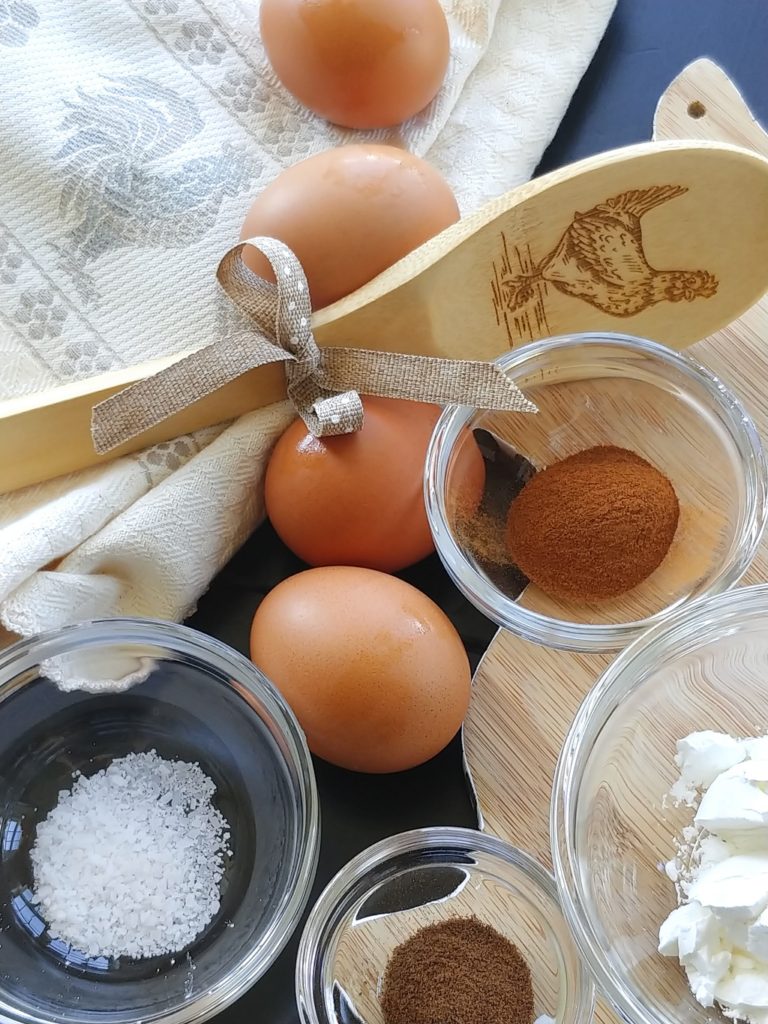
(667, 241)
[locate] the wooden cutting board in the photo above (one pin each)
(526, 696)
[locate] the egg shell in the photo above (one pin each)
(356, 499)
(348, 214)
(358, 63)
(373, 669)
(466, 472)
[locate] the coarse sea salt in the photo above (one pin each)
(130, 861)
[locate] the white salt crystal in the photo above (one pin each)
(129, 862)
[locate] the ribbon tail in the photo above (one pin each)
(429, 378)
(141, 406)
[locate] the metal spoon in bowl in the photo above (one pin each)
(506, 473)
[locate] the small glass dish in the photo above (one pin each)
(612, 827)
(189, 698)
(604, 389)
(399, 885)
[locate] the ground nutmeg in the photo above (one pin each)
(458, 971)
(593, 525)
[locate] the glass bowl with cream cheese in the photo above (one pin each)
(159, 825)
(606, 392)
(659, 818)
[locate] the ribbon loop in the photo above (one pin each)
(324, 385)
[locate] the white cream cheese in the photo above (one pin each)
(736, 801)
(719, 933)
(701, 757)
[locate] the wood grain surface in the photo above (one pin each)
(664, 241)
(525, 696)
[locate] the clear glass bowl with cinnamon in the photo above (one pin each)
(434, 925)
(695, 494)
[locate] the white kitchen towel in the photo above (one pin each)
(133, 135)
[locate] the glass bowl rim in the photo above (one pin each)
(334, 894)
(593, 715)
(241, 975)
(560, 633)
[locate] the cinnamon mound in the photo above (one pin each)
(593, 525)
(458, 971)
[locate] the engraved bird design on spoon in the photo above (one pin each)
(601, 260)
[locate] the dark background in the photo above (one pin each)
(647, 44)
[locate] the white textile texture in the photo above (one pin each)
(134, 134)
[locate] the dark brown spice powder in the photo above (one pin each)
(459, 971)
(594, 525)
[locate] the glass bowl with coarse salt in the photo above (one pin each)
(158, 825)
(659, 818)
(441, 924)
(637, 487)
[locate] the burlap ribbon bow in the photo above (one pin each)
(323, 384)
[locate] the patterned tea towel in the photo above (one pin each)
(134, 134)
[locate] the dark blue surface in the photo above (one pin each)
(646, 45)
(648, 42)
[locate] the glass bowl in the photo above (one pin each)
(190, 698)
(612, 830)
(603, 389)
(385, 894)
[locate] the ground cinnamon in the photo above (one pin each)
(459, 971)
(594, 525)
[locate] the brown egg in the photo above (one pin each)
(466, 478)
(348, 214)
(374, 671)
(359, 63)
(366, 489)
